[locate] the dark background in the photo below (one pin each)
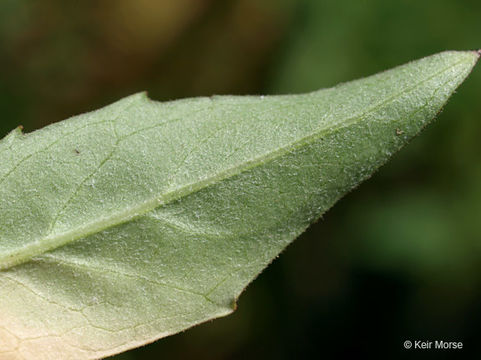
(398, 259)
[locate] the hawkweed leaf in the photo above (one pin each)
(139, 220)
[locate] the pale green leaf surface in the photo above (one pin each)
(141, 219)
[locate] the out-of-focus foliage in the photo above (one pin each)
(398, 259)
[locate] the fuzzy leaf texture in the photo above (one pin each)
(139, 220)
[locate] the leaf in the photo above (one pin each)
(139, 220)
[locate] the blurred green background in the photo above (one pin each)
(398, 259)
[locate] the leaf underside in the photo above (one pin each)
(136, 221)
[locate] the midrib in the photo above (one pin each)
(50, 243)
